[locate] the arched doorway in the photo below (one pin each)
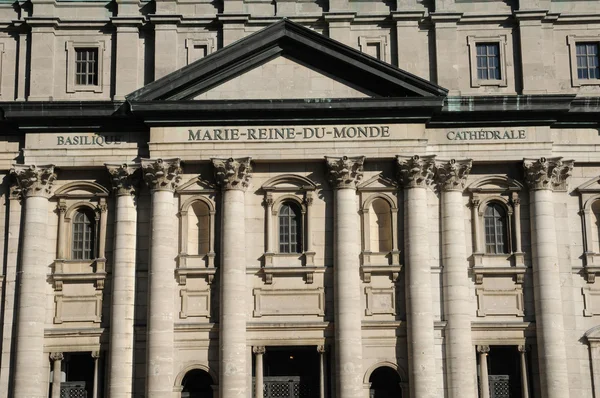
(197, 383)
(385, 383)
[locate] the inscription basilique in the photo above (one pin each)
(473, 135)
(83, 140)
(289, 133)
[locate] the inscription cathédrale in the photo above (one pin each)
(478, 135)
(288, 133)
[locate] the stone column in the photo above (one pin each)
(344, 173)
(57, 358)
(162, 176)
(460, 354)
(233, 175)
(416, 175)
(543, 176)
(120, 382)
(484, 380)
(322, 371)
(95, 356)
(31, 372)
(524, 378)
(258, 372)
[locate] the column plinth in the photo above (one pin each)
(416, 175)
(162, 176)
(123, 280)
(31, 372)
(233, 175)
(460, 352)
(543, 177)
(344, 173)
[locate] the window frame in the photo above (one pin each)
(297, 215)
(192, 51)
(472, 43)
(572, 42)
(381, 41)
(92, 217)
(507, 249)
(71, 48)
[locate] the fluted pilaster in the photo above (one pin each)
(343, 174)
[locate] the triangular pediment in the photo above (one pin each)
(197, 185)
(262, 66)
(378, 182)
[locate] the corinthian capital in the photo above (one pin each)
(344, 172)
(415, 171)
(162, 174)
(122, 176)
(452, 175)
(34, 180)
(233, 173)
(547, 173)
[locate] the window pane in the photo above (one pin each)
(86, 66)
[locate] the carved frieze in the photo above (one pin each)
(124, 177)
(452, 175)
(416, 171)
(344, 172)
(162, 174)
(547, 173)
(34, 180)
(233, 173)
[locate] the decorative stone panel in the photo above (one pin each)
(78, 308)
(380, 301)
(492, 302)
(289, 302)
(194, 303)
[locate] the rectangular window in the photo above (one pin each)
(488, 61)
(86, 66)
(588, 66)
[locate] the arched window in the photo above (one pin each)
(380, 218)
(83, 245)
(385, 383)
(198, 234)
(196, 384)
(290, 228)
(495, 223)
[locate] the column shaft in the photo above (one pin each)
(419, 311)
(460, 356)
(258, 373)
(348, 306)
(163, 250)
(123, 299)
(483, 372)
(548, 299)
(31, 362)
(232, 327)
(524, 378)
(56, 374)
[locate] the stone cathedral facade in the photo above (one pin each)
(310, 198)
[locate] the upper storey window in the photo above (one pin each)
(487, 56)
(290, 222)
(584, 56)
(495, 229)
(588, 66)
(488, 61)
(84, 235)
(86, 66)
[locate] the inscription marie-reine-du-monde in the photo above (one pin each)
(288, 133)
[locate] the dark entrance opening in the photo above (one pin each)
(504, 371)
(291, 372)
(197, 384)
(385, 383)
